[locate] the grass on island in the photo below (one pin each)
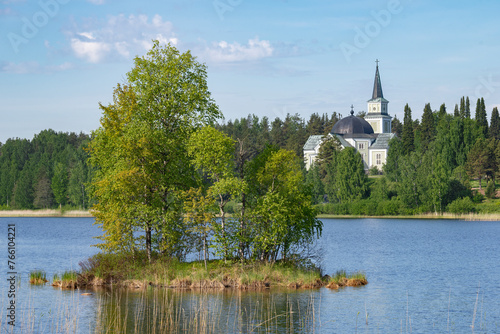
(342, 279)
(68, 280)
(38, 277)
(126, 270)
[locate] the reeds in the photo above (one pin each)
(67, 280)
(342, 279)
(38, 277)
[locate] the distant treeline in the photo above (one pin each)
(429, 166)
(48, 171)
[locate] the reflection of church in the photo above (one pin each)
(369, 136)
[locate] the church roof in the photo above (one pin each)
(377, 95)
(382, 141)
(351, 125)
(312, 142)
(377, 86)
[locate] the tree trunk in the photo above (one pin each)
(242, 228)
(223, 226)
(148, 242)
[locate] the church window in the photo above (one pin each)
(378, 158)
(361, 146)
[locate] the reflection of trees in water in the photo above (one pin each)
(227, 311)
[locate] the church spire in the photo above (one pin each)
(377, 85)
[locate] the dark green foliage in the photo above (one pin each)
(428, 128)
(408, 132)
(461, 206)
(313, 180)
(490, 189)
(33, 171)
(481, 118)
(397, 127)
(347, 180)
(495, 124)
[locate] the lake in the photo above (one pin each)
(425, 276)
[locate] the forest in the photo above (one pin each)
(434, 161)
(48, 171)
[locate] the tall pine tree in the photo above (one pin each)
(481, 118)
(408, 136)
(427, 128)
(495, 124)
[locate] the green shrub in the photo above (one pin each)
(477, 197)
(461, 205)
(490, 189)
(374, 171)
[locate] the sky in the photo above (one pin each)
(60, 58)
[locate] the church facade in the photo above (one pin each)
(369, 136)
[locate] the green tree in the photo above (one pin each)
(495, 124)
(59, 183)
(212, 152)
(350, 178)
(43, 194)
(283, 217)
(391, 167)
(313, 180)
(199, 218)
(328, 151)
(139, 152)
(76, 185)
(477, 160)
(481, 118)
(408, 135)
(428, 128)
(397, 127)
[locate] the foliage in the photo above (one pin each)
(283, 216)
(490, 189)
(27, 169)
(460, 206)
(139, 152)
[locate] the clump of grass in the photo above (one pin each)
(67, 280)
(342, 279)
(38, 277)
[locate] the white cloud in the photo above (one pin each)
(224, 52)
(33, 67)
(119, 37)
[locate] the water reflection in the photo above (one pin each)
(226, 311)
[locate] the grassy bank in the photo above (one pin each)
(45, 213)
(135, 272)
(467, 216)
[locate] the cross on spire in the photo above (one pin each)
(377, 61)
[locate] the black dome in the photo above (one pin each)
(352, 125)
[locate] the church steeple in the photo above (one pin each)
(377, 114)
(377, 85)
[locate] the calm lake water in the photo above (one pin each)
(425, 276)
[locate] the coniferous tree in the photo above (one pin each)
(494, 131)
(481, 117)
(408, 135)
(467, 108)
(456, 112)
(397, 127)
(462, 107)
(428, 128)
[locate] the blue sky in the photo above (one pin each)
(60, 58)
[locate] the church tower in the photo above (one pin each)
(377, 114)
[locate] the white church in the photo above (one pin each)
(369, 136)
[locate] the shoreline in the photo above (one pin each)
(45, 213)
(87, 214)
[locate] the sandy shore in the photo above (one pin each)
(44, 213)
